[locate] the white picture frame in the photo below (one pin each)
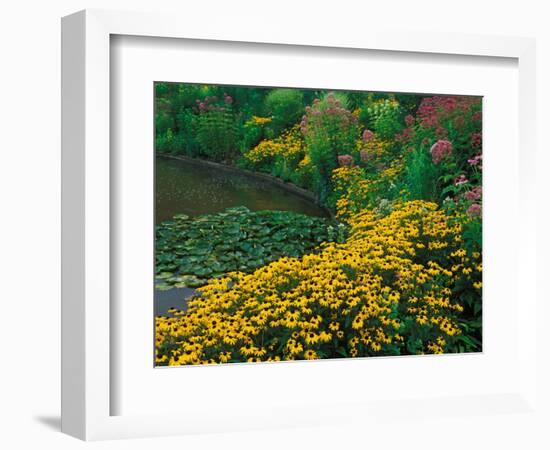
(87, 385)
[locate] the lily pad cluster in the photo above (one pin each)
(191, 250)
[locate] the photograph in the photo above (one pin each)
(315, 223)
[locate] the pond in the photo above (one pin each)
(189, 188)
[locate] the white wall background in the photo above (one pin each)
(30, 196)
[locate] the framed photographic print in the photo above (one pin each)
(324, 215)
(361, 237)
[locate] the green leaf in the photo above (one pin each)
(235, 239)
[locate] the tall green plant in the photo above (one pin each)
(385, 118)
(421, 175)
(217, 129)
(330, 131)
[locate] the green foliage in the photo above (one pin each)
(303, 176)
(324, 159)
(217, 134)
(458, 121)
(385, 118)
(342, 99)
(421, 175)
(252, 134)
(249, 101)
(186, 140)
(191, 250)
(408, 102)
(164, 142)
(285, 106)
(283, 157)
(355, 99)
(330, 130)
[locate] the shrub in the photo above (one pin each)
(385, 118)
(350, 192)
(330, 130)
(217, 132)
(185, 140)
(164, 142)
(303, 174)
(285, 106)
(456, 119)
(279, 156)
(253, 132)
(356, 189)
(421, 176)
(447, 131)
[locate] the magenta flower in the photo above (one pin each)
(474, 210)
(368, 135)
(409, 120)
(459, 121)
(441, 132)
(364, 155)
(440, 150)
(475, 140)
(345, 160)
(405, 134)
(475, 160)
(461, 180)
(434, 111)
(474, 194)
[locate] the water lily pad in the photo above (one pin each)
(163, 275)
(163, 287)
(189, 251)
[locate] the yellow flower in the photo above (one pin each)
(310, 354)
(369, 289)
(261, 120)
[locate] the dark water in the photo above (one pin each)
(186, 188)
(172, 298)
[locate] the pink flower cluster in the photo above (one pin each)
(476, 160)
(459, 181)
(364, 155)
(345, 160)
(474, 210)
(475, 140)
(210, 103)
(433, 110)
(459, 122)
(440, 150)
(474, 194)
(409, 120)
(368, 135)
(332, 108)
(405, 135)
